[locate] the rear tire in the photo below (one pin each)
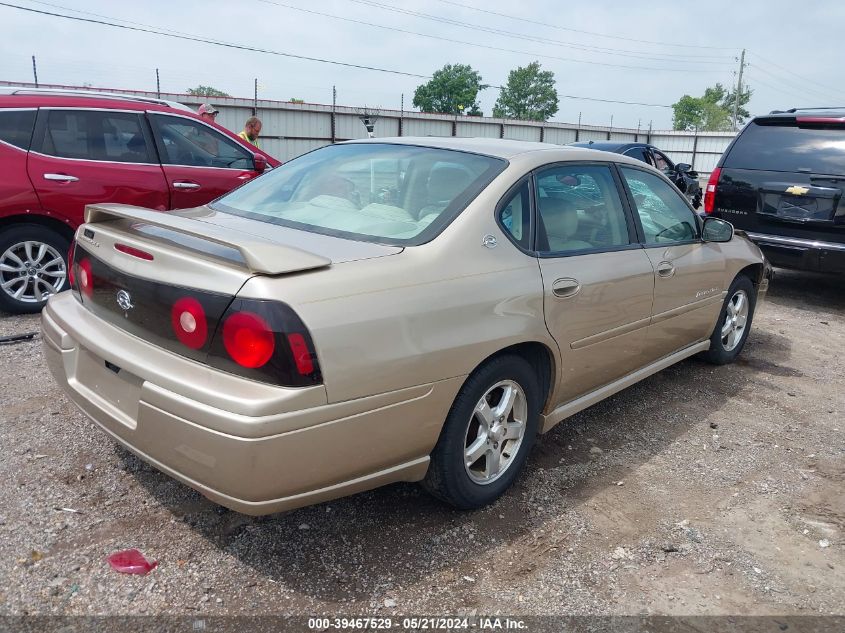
(734, 323)
(33, 266)
(487, 435)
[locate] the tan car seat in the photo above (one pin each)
(561, 223)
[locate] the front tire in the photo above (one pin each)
(33, 266)
(487, 435)
(734, 323)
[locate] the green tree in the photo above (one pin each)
(712, 112)
(207, 91)
(452, 90)
(530, 94)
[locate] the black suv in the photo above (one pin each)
(781, 181)
(681, 174)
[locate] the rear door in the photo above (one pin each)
(199, 162)
(784, 176)
(597, 280)
(82, 156)
(689, 273)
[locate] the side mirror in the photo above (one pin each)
(683, 167)
(717, 230)
(259, 163)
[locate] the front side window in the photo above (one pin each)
(579, 209)
(96, 135)
(16, 127)
(663, 212)
(188, 142)
(660, 161)
(393, 194)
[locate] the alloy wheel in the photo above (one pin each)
(31, 271)
(736, 318)
(495, 432)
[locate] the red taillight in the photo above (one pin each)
(187, 317)
(248, 339)
(135, 252)
(820, 120)
(85, 277)
(71, 279)
(301, 354)
(710, 192)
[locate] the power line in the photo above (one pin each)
(801, 77)
(818, 93)
(486, 46)
(202, 40)
(667, 57)
(194, 38)
(564, 28)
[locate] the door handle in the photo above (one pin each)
(665, 269)
(185, 185)
(60, 177)
(566, 287)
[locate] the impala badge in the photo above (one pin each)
(124, 300)
(797, 190)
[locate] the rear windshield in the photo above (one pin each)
(392, 194)
(787, 147)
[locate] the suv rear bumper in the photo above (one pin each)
(228, 444)
(801, 254)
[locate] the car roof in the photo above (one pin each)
(608, 146)
(499, 148)
(45, 97)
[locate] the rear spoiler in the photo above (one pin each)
(259, 255)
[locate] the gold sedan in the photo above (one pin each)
(390, 310)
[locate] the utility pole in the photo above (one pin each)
(334, 118)
(255, 99)
(158, 85)
(34, 71)
(738, 87)
(401, 113)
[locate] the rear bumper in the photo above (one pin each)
(254, 448)
(801, 254)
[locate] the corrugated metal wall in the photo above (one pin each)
(292, 129)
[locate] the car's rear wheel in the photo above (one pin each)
(33, 266)
(488, 434)
(734, 323)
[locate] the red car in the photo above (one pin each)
(60, 151)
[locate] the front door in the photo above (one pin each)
(689, 280)
(597, 280)
(199, 162)
(82, 157)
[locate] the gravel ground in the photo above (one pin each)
(701, 490)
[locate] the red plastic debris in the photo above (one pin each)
(131, 561)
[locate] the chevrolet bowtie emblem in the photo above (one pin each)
(796, 190)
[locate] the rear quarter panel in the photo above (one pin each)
(430, 313)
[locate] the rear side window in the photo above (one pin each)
(639, 153)
(16, 127)
(787, 147)
(188, 142)
(96, 135)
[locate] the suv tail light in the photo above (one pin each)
(710, 192)
(265, 341)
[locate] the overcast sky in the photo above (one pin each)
(795, 54)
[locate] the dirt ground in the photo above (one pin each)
(701, 490)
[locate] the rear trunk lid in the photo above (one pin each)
(142, 270)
